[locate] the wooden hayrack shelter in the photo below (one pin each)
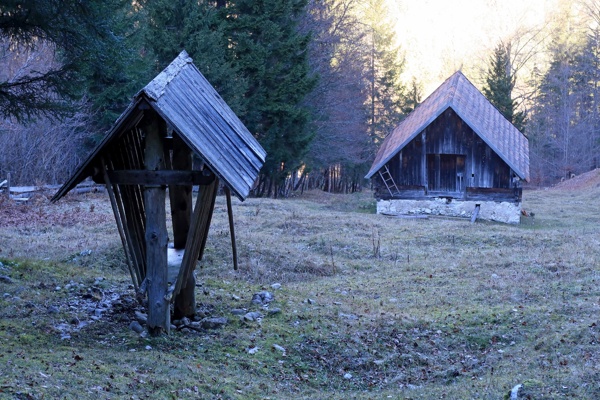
(177, 133)
(453, 153)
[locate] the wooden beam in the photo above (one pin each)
(156, 230)
(180, 197)
(162, 177)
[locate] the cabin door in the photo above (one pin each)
(446, 172)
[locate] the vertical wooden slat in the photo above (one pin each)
(134, 196)
(119, 220)
(128, 217)
(199, 227)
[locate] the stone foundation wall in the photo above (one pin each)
(506, 212)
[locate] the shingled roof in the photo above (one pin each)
(458, 93)
(183, 97)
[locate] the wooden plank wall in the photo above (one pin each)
(448, 134)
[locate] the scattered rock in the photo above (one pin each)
(514, 393)
(136, 327)
(279, 348)
(238, 311)
(348, 316)
(53, 310)
(347, 375)
(141, 317)
(310, 301)
(94, 294)
(213, 323)
(5, 279)
(274, 311)
(252, 350)
(253, 316)
(263, 297)
(276, 286)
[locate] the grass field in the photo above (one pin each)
(371, 306)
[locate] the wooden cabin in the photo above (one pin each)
(177, 133)
(456, 147)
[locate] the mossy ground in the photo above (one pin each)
(372, 306)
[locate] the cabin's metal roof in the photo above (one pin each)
(458, 93)
(183, 97)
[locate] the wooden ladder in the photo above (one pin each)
(388, 181)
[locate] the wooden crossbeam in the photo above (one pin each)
(161, 177)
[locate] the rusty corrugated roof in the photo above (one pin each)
(192, 107)
(458, 93)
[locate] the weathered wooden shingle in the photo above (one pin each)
(183, 97)
(458, 93)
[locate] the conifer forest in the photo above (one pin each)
(320, 83)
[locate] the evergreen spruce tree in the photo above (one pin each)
(90, 39)
(272, 55)
(198, 28)
(500, 82)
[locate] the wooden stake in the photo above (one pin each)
(475, 213)
(231, 228)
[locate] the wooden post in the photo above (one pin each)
(179, 195)
(475, 213)
(424, 171)
(231, 227)
(156, 230)
(181, 212)
(8, 185)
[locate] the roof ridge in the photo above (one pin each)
(156, 88)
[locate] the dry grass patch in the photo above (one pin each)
(372, 307)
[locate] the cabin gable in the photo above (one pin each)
(446, 159)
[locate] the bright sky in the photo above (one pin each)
(441, 36)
